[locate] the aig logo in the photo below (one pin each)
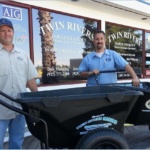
(11, 12)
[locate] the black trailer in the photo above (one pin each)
(86, 117)
(140, 114)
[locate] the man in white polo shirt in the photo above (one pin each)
(16, 72)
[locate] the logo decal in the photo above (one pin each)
(147, 104)
(95, 122)
(12, 12)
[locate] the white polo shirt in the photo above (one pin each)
(15, 70)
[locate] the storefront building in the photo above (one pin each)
(57, 34)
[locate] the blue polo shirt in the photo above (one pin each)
(110, 60)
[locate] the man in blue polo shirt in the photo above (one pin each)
(104, 59)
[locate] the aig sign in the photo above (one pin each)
(11, 12)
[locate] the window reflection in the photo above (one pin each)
(19, 18)
(60, 43)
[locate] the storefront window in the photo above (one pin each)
(128, 42)
(147, 52)
(60, 43)
(19, 18)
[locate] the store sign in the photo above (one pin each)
(127, 42)
(124, 35)
(11, 12)
(71, 26)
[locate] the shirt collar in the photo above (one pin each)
(14, 49)
(106, 52)
(1, 47)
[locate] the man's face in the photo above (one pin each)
(6, 35)
(99, 41)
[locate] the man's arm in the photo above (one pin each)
(89, 73)
(86, 74)
(31, 84)
(135, 79)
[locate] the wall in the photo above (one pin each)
(96, 10)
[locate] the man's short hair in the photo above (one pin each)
(99, 31)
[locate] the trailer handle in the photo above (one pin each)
(106, 71)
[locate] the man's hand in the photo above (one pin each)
(136, 82)
(89, 73)
(95, 71)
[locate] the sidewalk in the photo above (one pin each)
(138, 137)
